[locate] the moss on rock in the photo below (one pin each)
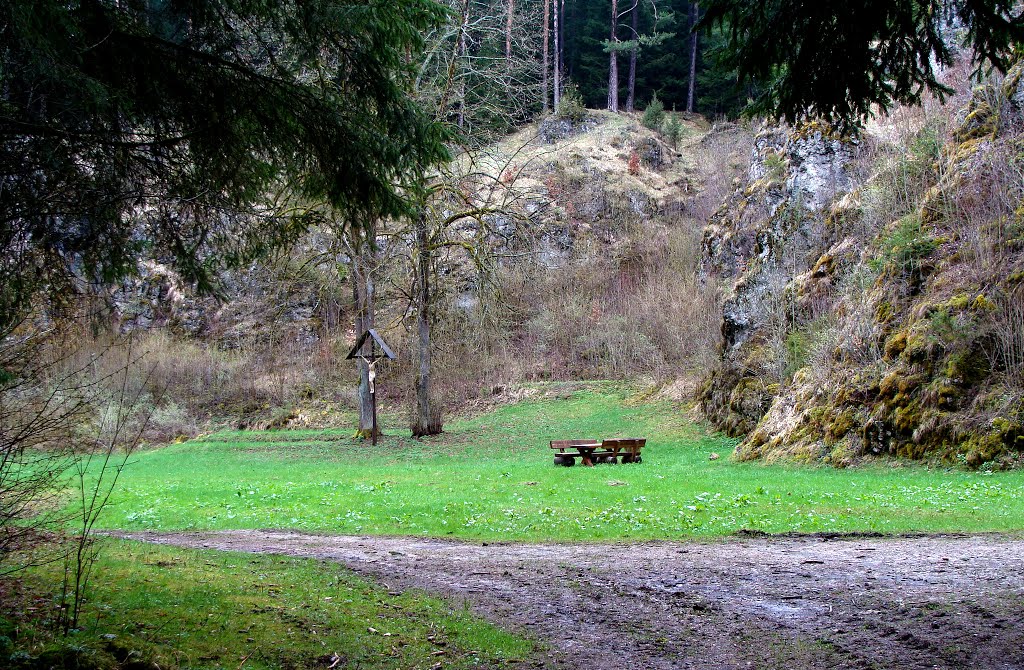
(913, 368)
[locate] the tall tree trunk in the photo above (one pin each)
(694, 15)
(544, 59)
(364, 261)
(428, 417)
(561, 40)
(460, 53)
(613, 62)
(508, 32)
(630, 98)
(558, 58)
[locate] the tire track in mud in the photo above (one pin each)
(793, 602)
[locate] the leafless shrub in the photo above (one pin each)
(198, 381)
(982, 212)
(856, 335)
(637, 311)
(102, 447)
(720, 158)
(1008, 326)
(70, 416)
(41, 405)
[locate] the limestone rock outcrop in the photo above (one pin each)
(883, 322)
(767, 233)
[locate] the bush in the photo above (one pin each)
(905, 246)
(654, 115)
(570, 105)
(673, 130)
(634, 163)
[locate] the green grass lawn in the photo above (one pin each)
(491, 478)
(158, 607)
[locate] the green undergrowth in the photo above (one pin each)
(491, 477)
(164, 608)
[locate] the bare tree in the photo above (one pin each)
(428, 415)
(458, 69)
(481, 69)
(458, 215)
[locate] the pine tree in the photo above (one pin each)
(842, 60)
(161, 128)
(613, 60)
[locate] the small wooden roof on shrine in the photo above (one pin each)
(375, 339)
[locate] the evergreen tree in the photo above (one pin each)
(160, 128)
(841, 59)
(720, 92)
(673, 129)
(654, 114)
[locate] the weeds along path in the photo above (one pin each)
(806, 602)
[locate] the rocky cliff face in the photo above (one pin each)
(887, 321)
(264, 302)
(772, 228)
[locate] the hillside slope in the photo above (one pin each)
(586, 271)
(876, 304)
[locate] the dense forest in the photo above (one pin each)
(651, 48)
(667, 54)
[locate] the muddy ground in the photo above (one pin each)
(758, 602)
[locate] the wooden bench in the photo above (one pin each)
(625, 448)
(569, 450)
(594, 451)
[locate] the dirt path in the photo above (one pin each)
(929, 602)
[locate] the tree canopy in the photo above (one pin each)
(839, 59)
(162, 126)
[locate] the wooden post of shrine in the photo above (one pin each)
(370, 348)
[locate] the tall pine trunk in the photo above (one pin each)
(631, 96)
(694, 15)
(561, 36)
(561, 40)
(558, 57)
(613, 62)
(544, 67)
(428, 417)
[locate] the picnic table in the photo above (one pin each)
(616, 450)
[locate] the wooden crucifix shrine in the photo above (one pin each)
(370, 348)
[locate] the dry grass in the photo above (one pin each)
(635, 311)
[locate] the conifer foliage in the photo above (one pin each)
(161, 126)
(839, 60)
